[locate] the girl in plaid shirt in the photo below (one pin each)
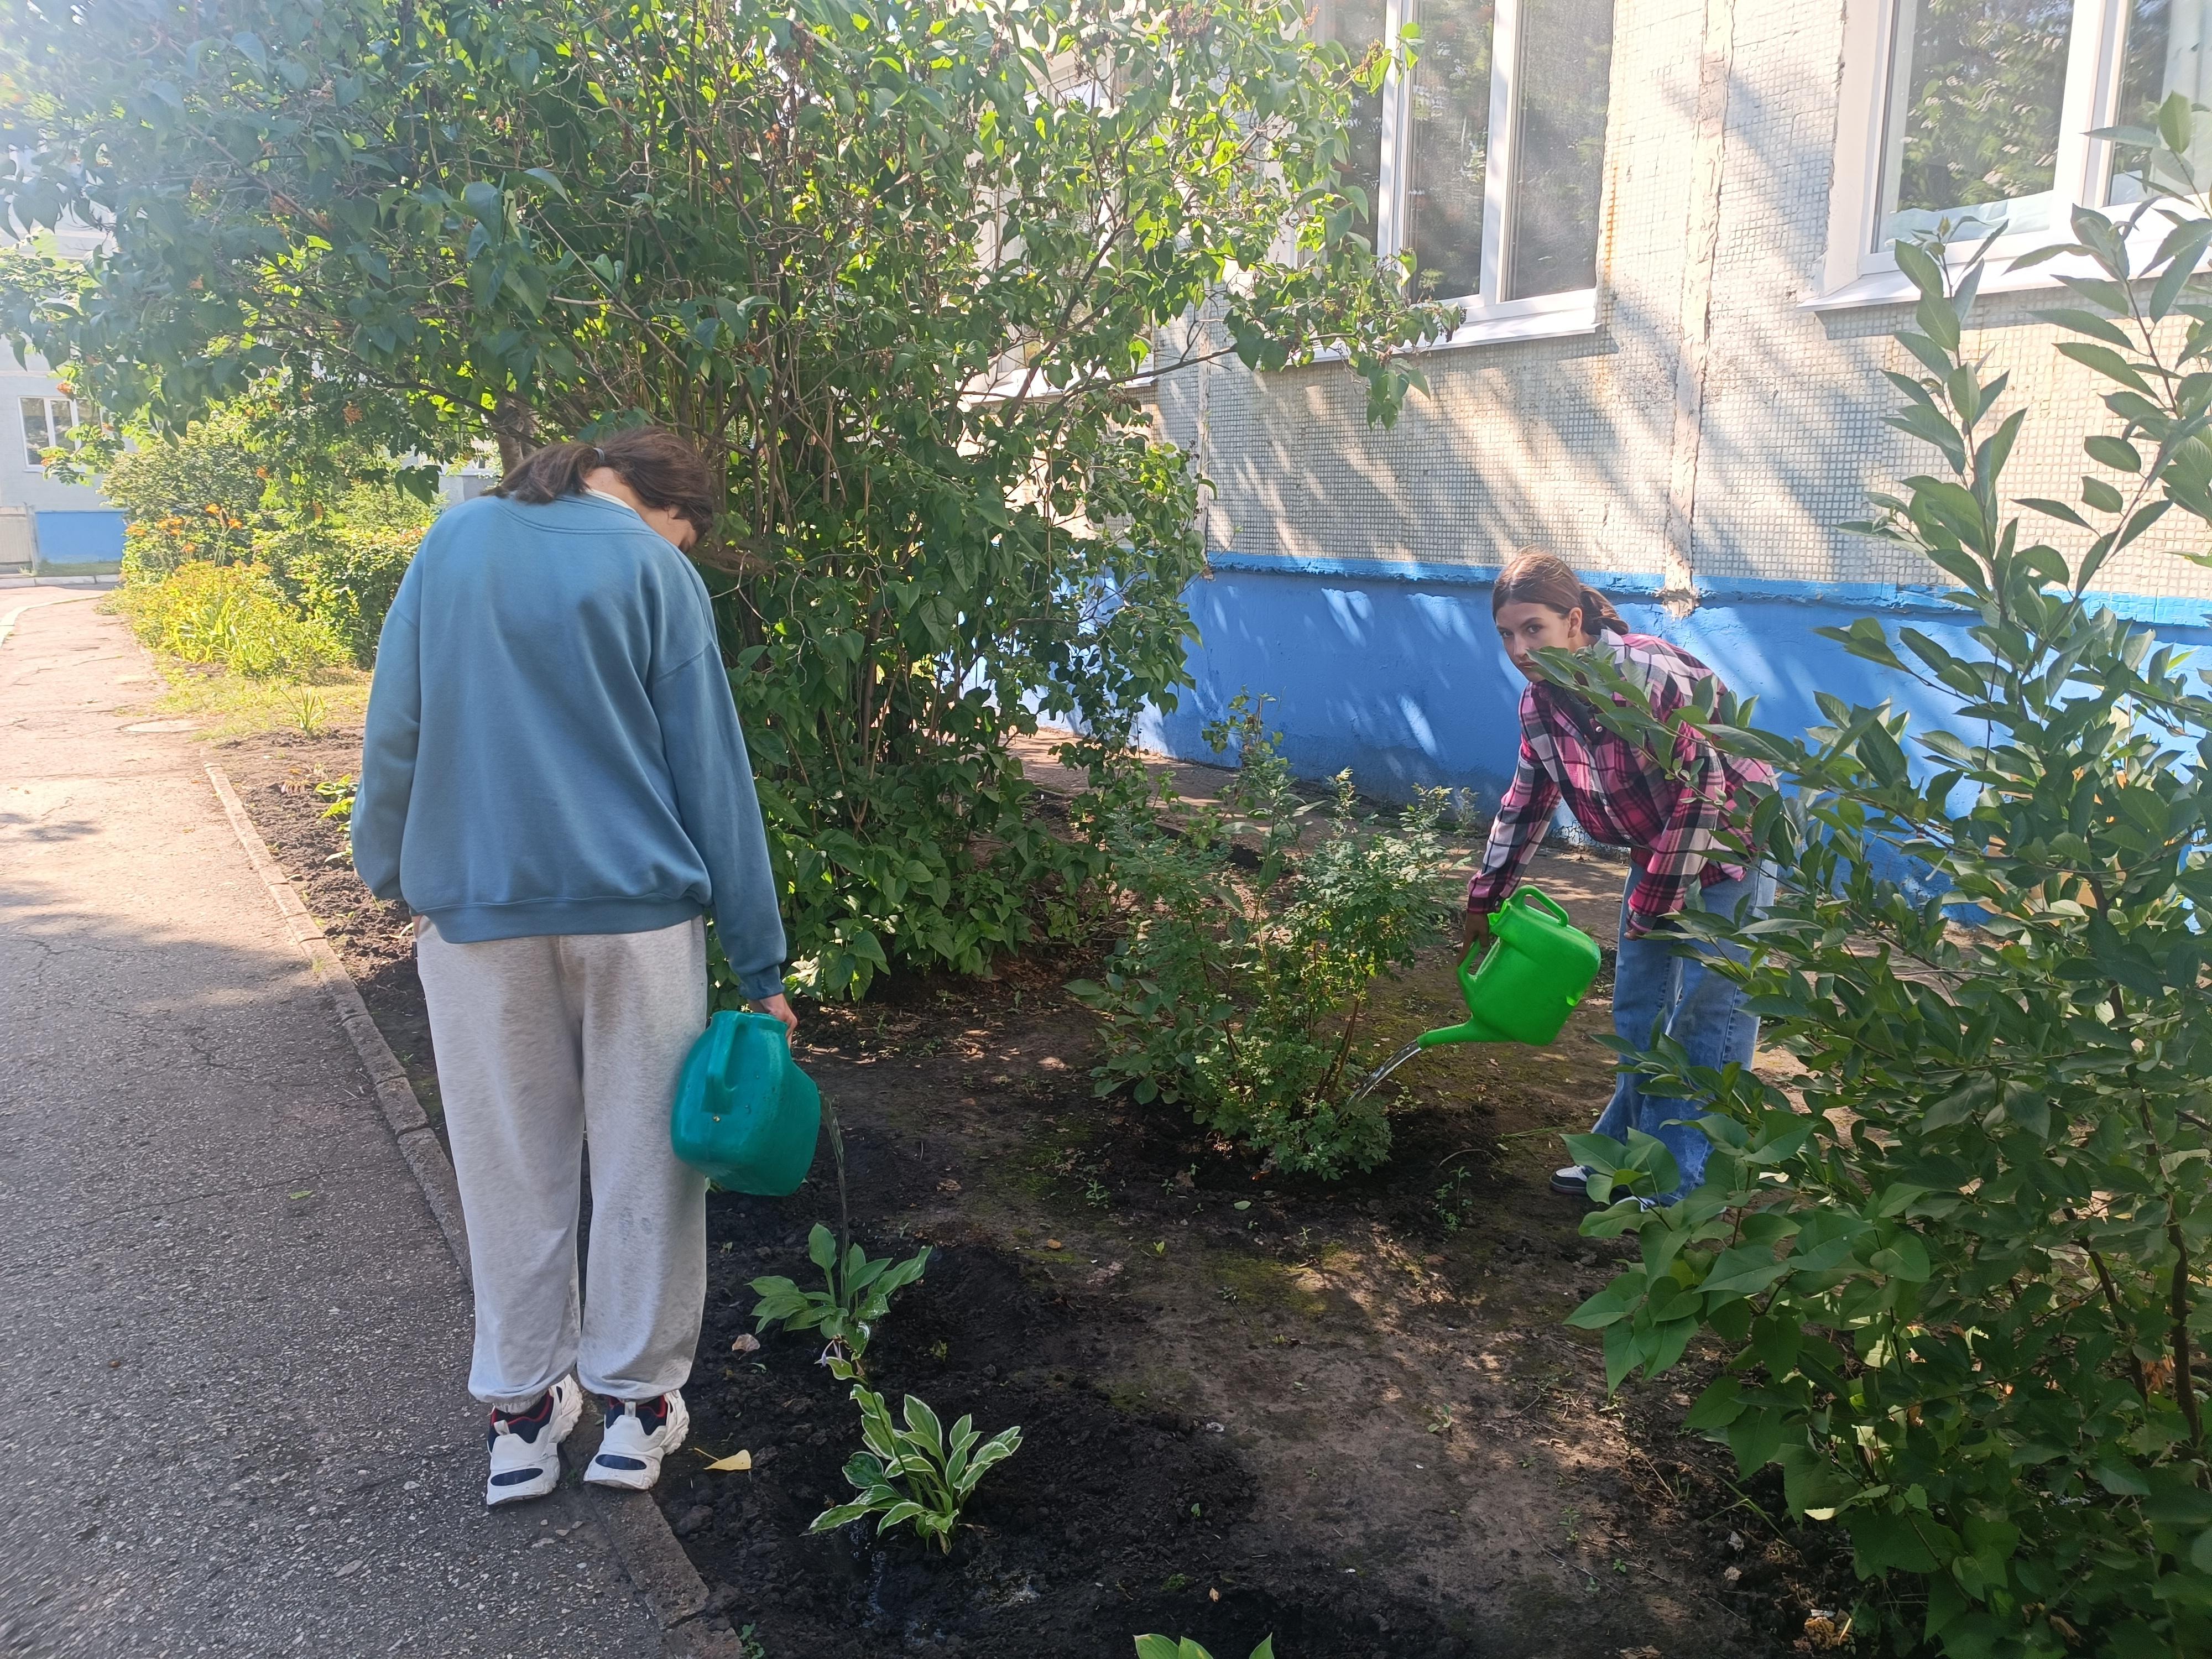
(1625, 797)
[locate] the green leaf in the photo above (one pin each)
(546, 177)
(1883, 1540)
(483, 203)
(1744, 1270)
(2087, 322)
(1718, 1406)
(1756, 1438)
(2106, 363)
(2121, 1480)
(830, 1519)
(1902, 1257)
(2113, 453)
(1616, 1301)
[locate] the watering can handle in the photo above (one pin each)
(1537, 896)
(725, 1025)
(1471, 964)
(723, 1055)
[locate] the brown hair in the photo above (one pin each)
(1532, 576)
(665, 471)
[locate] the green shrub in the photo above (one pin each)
(1238, 990)
(256, 482)
(343, 565)
(231, 615)
(194, 497)
(346, 577)
(1963, 1274)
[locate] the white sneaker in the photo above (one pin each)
(525, 1446)
(639, 1434)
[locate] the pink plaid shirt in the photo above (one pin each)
(1620, 793)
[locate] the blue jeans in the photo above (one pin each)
(1655, 991)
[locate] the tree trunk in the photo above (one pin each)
(514, 424)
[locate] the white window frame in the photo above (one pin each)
(50, 400)
(1486, 316)
(1853, 271)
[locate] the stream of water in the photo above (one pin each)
(1367, 1085)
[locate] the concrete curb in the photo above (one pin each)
(632, 1522)
(402, 1112)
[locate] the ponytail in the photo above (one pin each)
(1598, 614)
(665, 471)
(1532, 576)
(548, 474)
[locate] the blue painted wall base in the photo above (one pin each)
(87, 538)
(1404, 680)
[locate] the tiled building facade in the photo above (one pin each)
(1700, 417)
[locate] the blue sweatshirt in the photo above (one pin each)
(552, 744)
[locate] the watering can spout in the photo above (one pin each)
(1473, 1029)
(1538, 968)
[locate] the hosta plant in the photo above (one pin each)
(919, 1474)
(1959, 1258)
(1167, 1647)
(858, 1293)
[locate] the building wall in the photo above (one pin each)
(1715, 433)
(72, 524)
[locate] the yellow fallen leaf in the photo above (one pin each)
(735, 1462)
(1052, 1244)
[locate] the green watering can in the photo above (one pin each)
(1537, 969)
(745, 1116)
(1539, 966)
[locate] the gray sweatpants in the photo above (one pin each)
(541, 1041)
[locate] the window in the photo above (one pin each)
(2164, 53)
(1977, 113)
(47, 423)
(1976, 89)
(1486, 157)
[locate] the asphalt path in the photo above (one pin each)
(232, 1339)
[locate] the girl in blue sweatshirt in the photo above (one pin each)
(554, 781)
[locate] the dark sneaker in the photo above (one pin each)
(525, 1446)
(639, 1434)
(1573, 1181)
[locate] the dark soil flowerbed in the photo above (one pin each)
(1109, 1520)
(1349, 1416)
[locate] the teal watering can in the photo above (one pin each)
(1538, 968)
(745, 1116)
